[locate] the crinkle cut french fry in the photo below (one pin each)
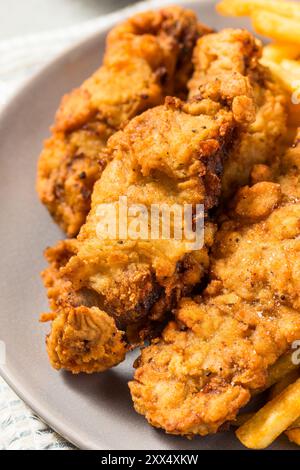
(279, 52)
(271, 420)
(247, 7)
(276, 26)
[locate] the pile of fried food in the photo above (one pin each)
(181, 114)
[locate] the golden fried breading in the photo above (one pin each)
(169, 154)
(80, 335)
(220, 347)
(146, 58)
(264, 137)
(138, 280)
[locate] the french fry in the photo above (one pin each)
(276, 26)
(288, 79)
(294, 425)
(287, 380)
(278, 74)
(247, 7)
(281, 368)
(271, 420)
(234, 8)
(279, 52)
(293, 432)
(244, 417)
(294, 435)
(276, 389)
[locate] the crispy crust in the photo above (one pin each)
(146, 58)
(80, 336)
(238, 52)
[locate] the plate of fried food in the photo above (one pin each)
(145, 341)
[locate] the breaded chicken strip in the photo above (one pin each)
(218, 351)
(263, 138)
(170, 154)
(135, 281)
(146, 58)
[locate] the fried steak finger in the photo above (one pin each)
(146, 58)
